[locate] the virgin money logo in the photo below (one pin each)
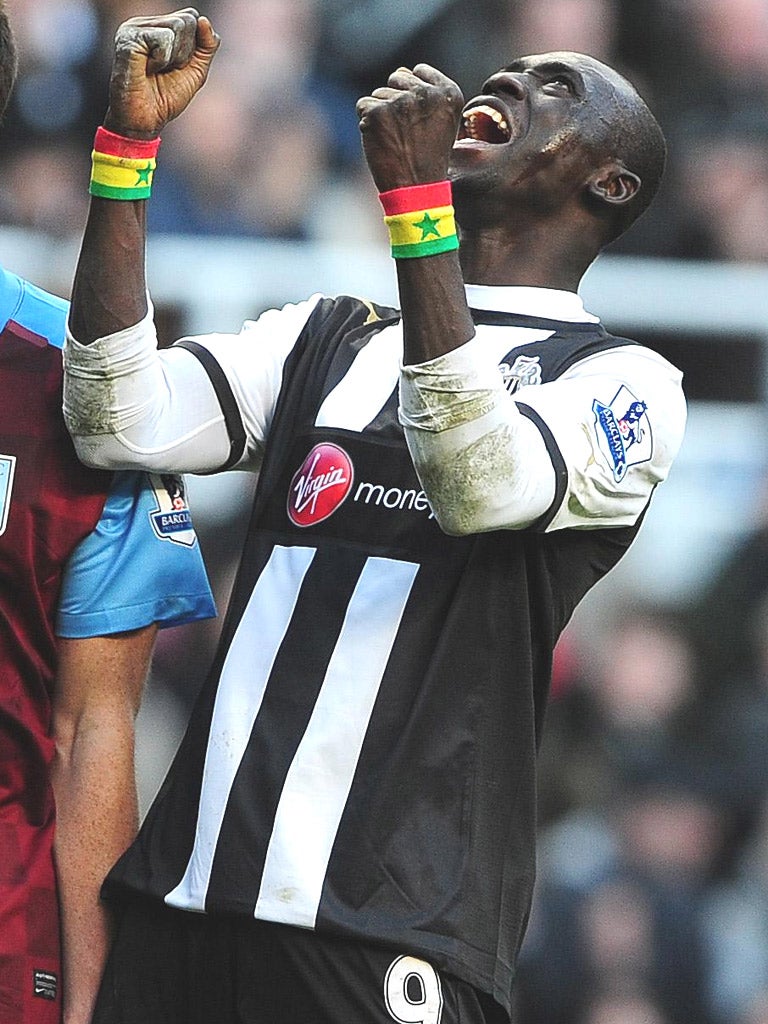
(320, 485)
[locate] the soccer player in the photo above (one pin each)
(347, 833)
(96, 559)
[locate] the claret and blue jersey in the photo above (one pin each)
(75, 542)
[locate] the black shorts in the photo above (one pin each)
(174, 967)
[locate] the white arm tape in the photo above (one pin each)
(483, 465)
(131, 406)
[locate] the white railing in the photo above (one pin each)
(214, 277)
(713, 495)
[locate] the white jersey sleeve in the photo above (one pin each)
(129, 405)
(582, 451)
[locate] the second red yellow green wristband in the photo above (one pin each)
(122, 168)
(420, 220)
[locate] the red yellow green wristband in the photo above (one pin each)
(420, 220)
(122, 168)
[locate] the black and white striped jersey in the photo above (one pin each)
(362, 758)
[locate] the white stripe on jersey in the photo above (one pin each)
(319, 779)
(365, 388)
(267, 616)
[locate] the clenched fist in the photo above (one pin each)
(409, 127)
(159, 64)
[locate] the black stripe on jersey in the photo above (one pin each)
(568, 345)
(603, 343)
(343, 319)
(412, 735)
(227, 401)
(496, 318)
(281, 723)
(558, 464)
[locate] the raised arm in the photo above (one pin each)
(160, 63)
(452, 403)
(126, 404)
(408, 129)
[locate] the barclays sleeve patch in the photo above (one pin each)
(171, 519)
(623, 431)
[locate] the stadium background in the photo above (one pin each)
(652, 902)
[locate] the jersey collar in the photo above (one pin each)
(545, 303)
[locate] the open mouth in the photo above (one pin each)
(483, 123)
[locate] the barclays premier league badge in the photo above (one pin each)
(7, 470)
(171, 520)
(623, 431)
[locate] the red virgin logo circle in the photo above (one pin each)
(319, 485)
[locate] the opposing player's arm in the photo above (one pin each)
(583, 451)
(97, 695)
(123, 581)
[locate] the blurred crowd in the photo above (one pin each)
(652, 898)
(271, 148)
(652, 901)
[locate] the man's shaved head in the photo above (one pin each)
(621, 126)
(551, 130)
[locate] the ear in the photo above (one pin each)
(614, 184)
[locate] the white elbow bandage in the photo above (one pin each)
(109, 383)
(483, 464)
(129, 406)
(448, 391)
